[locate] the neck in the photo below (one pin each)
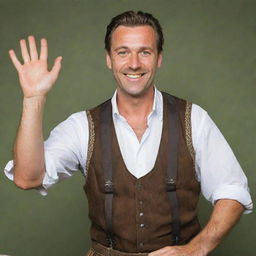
(141, 106)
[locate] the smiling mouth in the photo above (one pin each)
(134, 76)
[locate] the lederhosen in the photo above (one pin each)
(133, 215)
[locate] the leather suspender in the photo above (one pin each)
(106, 151)
(173, 136)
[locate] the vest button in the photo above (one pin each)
(141, 202)
(142, 225)
(139, 186)
(141, 213)
(141, 244)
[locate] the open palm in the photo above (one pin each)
(35, 79)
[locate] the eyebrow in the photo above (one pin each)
(126, 48)
(121, 47)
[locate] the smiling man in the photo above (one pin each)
(146, 155)
(134, 59)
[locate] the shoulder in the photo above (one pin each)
(200, 119)
(95, 108)
(184, 105)
(76, 118)
(93, 114)
(74, 123)
(198, 114)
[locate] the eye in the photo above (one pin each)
(122, 53)
(145, 53)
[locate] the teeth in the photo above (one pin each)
(133, 76)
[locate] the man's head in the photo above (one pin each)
(132, 19)
(134, 51)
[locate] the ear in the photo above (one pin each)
(160, 60)
(108, 61)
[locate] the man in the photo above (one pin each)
(145, 154)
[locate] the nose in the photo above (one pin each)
(134, 61)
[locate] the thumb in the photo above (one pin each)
(57, 66)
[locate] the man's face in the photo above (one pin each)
(134, 59)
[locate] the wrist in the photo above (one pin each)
(36, 102)
(34, 99)
(201, 245)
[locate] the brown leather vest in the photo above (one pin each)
(141, 207)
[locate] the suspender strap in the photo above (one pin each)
(172, 165)
(106, 151)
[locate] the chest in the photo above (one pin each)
(127, 155)
(139, 130)
(139, 156)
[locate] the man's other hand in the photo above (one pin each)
(35, 79)
(183, 250)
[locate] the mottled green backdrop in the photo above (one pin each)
(209, 58)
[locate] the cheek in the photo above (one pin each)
(118, 65)
(150, 62)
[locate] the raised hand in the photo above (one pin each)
(35, 79)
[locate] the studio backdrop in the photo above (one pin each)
(209, 59)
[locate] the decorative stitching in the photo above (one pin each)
(90, 141)
(94, 253)
(91, 252)
(188, 129)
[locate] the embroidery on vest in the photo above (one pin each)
(188, 130)
(90, 141)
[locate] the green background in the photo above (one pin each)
(209, 58)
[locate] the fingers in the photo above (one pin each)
(44, 49)
(33, 54)
(14, 59)
(57, 66)
(24, 51)
(166, 251)
(32, 48)
(159, 252)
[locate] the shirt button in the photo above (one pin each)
(141, 202)
(141, 244)
(141, 213)
(142, 225)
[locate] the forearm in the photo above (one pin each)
(29, 145)
(225, 215)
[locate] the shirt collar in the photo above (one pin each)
(157, 108)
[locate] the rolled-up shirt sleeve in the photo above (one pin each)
(65, 151)
(217, 168)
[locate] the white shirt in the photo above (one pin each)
(217, 169)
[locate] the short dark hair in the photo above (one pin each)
(132, 19)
